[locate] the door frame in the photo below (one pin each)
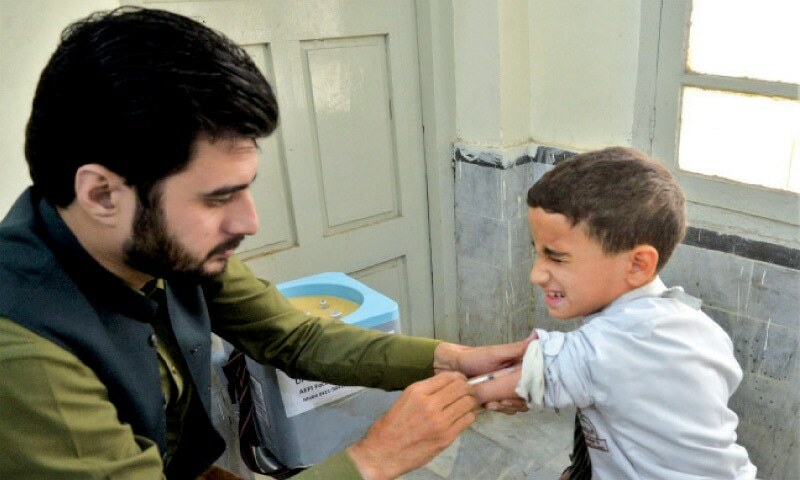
(436, 58)
(437, 94)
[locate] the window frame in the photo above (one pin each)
(759, 204)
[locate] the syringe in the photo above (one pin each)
(492, 375)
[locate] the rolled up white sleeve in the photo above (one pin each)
(556, 372)
(531, 380)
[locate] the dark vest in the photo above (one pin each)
(50, 285)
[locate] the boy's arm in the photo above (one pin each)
(498, 388)
(525, 380)
(473, 361)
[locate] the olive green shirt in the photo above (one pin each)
(57, 422)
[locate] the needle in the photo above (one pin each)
(492, 375)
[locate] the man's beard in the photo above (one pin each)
(152, 250)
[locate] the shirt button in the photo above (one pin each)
(152, 340)
(174, 370)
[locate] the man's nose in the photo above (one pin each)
(243, 219)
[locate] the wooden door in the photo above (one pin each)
(341, 185)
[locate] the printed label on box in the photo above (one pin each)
(300, 396)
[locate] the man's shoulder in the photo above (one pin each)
(24, 256)
(18, 342)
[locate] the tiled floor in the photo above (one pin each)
(526, 446)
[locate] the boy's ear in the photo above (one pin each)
(643, 263)
(97, 192)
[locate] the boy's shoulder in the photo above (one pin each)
(649, 306)
(653, 295)
(666, 310)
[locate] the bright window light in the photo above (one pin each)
(746, 138)
(757, 39)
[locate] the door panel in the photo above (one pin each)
(350, 98)
(271, 186)
(342, 185)
(388, 278)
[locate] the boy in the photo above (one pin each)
(650, 373)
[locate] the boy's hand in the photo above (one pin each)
(425, 419)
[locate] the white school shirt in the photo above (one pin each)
(651, 377)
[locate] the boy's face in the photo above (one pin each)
(577, 277)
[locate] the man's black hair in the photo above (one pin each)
(133, 89)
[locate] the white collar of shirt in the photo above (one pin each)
(654, 288)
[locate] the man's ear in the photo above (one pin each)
(97, 192)
(643, 263)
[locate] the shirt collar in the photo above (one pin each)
(655, 288)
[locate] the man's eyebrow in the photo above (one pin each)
(227, 190)
(246, 148)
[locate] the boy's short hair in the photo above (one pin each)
(623, 197)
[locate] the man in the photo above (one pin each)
(118, 262)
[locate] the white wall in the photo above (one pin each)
(29, 32)
(477, 72)
(492, 78)
(584, 65)
(554, 72)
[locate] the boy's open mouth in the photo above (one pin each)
(553, 298)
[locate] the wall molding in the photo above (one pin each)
(507, 159)
(743, 247)
(695, 236)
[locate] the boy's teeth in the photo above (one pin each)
(555, 294)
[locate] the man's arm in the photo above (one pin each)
(258, 320)
(253, 315)
(57, 421)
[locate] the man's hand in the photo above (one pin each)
(424, 420)
(473, 361)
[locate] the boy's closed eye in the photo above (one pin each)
(549, 253)
(555, 255)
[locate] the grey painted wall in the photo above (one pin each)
(753, 293)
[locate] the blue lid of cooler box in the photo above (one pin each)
(374, 307)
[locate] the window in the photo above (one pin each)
(727, 107)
